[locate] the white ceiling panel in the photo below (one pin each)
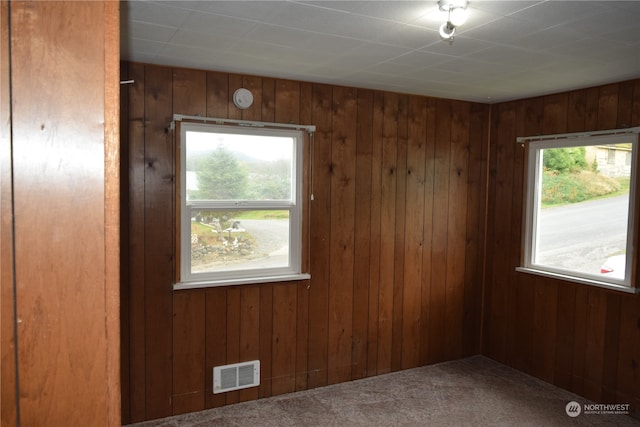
(506, 49)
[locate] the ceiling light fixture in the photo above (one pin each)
(456, 16)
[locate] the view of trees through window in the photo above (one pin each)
(222, 174)
(239, 189)
(583, 206)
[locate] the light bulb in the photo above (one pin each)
(447, 31)
(458, 16)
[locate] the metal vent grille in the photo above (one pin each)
(236, 376)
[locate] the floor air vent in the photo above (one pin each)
(236, 376)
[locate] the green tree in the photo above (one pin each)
(220, 177)
(271, 180)
(565, 160)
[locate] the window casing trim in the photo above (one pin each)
(578, 279)
(559, 136)
(533, 182)
(188, 280)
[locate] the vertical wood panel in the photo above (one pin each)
(215, 341)
(456, 233)
(302, 335)
(343, 162)
(136, 245)
(268, 100)
(217, 95)
(628, 375)
(188, 351)
(114, 192)
(254, 84)
(266, 333)
(249, 333)
(9, 401)
(283, 345)
(414, 234)
(579, 341)
(189, 92)
(124, 307)
(387, 231)
(438, 292)
(429, 193)
(523, 115)
(611, 344)
(625, 104)
(375, 239)
(592, 97)
(64, 269)
(608, 106)
(399, 252)
(564, 337)
(287, 101)
(319, 235)
(158, 234)
(576, 106)
(476, 221)
(362, 235)
(544, 329)
(233, 336)
(594, 344)
(635, 108)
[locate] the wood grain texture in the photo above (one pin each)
(578, 337)
(320, 232)
(159, 225)
(414, 234)
(189, 350)
(113, 191)
(376, 166)
(396, 261)
(9, 402)
(67, 268)
(362, 233)
(133, 294)
(342, 235)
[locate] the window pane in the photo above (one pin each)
(239, 240)
(583, 209)
(226, 166)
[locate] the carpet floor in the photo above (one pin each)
(475, 391)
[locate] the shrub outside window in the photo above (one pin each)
(240, 193)
(579, 209)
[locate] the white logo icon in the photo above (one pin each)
(573, 409)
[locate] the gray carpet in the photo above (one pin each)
(470, 392)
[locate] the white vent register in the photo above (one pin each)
(236, 376)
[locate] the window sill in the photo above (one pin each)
(241, 281)
(581, 280)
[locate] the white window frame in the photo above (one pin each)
(293, 271)
(533, 176)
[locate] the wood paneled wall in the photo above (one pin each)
(580, 338)
(396, 243)
(59, 202)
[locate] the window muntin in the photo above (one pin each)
(587, 237)
(240, 204)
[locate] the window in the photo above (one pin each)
(240, 193)
(579, 209)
